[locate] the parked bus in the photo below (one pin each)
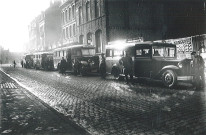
(43, 60)
(114, 52)
(29, 62)
(80, 59)
(150, 60)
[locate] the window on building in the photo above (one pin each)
(80, 15)
(98, 37)
(70, 30)
(88, 11)
(89, 38)
(65, 17)
(64, 35)
(97, 8)
(74, 29)
(81, 39)
(70, 14)
(67, 33)
(73, 11)
(66, 14)
(62, 17)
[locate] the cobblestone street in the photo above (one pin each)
(112, 107)
(23, 114)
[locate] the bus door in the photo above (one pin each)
(112, 58)
(143, 61)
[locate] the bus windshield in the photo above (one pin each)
(88, 51)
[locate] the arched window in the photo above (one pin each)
(70, 31)
(67, 32)
(89, 38)
(88, 11)
(63, 17)
(98, 37)
(74, 29)
(64, 33)
(66, 14)
(80, 15)
(81, 39)
(73, 11)
(70, 14)
(97, 8)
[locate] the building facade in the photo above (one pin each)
(45, 29)
(97, 22)
(68, 23)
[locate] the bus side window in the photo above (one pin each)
(108, 53)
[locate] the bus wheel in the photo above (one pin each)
(82, 72)
(115, 72)
(169, 78)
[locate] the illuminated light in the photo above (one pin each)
(179, 65)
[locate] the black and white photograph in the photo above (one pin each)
(102, 67)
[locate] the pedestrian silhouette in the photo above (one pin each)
(14, 64)
(63, 64)
(197, 64)
(22, 63)
(128, 66)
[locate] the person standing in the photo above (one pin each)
(22, 63)
(14, 64)
(63, 64)
(198, 70)
(102, 67)
(128, 64)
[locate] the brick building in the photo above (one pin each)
(68, 23)
(97, 22)
(45, 30)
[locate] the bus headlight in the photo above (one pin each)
(180, 65)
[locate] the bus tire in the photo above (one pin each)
(169, 78)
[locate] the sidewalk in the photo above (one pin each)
(23, 113)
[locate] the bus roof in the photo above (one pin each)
(39, 53)
(123, 46)
(74, 46)
(156, 44)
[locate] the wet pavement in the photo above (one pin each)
(112, 107)
(23, 114)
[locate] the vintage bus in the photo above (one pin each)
(80, 59)
(114, 52)
(29, 62)
(43, 60)
(150, 60)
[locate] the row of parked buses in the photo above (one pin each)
(147, 63)
(39, 60)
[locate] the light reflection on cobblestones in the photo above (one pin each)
(111, 107)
